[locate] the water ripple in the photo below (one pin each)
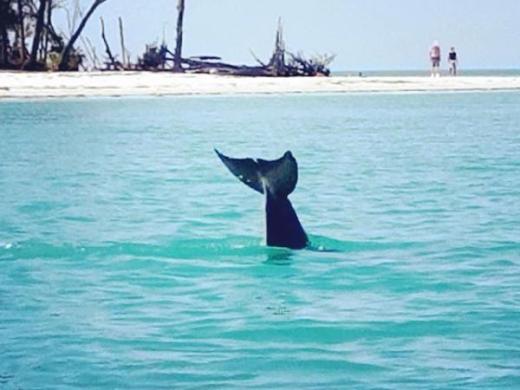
(131, 258)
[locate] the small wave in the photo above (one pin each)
(326, 244)
(197, 248)
(6, 245)
(186, 249)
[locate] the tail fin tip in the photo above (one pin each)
(279, 177)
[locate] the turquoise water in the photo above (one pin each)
(131, 258)
(426, 72)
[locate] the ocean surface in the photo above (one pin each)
(132, 259)
(426, 72)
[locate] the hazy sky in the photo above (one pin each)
(364, 34)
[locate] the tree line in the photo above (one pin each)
(29, 41)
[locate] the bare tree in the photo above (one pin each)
(48, 26)
(40, 21)
(8, 22)
(124, 60)
(90, 49)
(21, 28)
(177, 58)
(113, 63)
(64, 64)
(277, 62)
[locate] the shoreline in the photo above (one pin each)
(23, 85)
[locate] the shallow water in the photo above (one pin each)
(426, 72)
(131, 258)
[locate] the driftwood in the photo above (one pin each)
(154, 58)
(197, 66)
(281, 64)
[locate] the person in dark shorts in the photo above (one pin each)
(452, 61)
(435, 58)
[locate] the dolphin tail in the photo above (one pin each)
(277, 177)
(283, 228)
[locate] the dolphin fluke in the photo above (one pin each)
(276, 179)
(245, 169)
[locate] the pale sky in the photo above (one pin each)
(364, 34)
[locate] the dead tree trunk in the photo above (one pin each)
(124, 60)
(107, 47)
(4, 40)
(40, 20)
(277, 62)
(177, 59)
(91, 52)
(21, 20)
(64, 64)
(48, 25)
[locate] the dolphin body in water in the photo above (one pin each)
(276, 180)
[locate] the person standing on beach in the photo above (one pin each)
(452, 61)
(435, 58)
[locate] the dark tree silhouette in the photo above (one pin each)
(8, 22)
(65, 55)
(21, 28)
(40, 19)
(177, 58)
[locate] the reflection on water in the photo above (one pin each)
(279, 256)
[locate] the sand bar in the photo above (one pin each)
(14, 85)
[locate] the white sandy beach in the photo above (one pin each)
(15, 85)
